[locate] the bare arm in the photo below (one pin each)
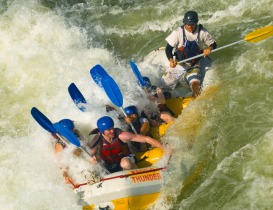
(127, 136)
(93, 150)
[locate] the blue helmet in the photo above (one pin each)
(147, 82)
(131, 110)
(105, 123)
(67, 123)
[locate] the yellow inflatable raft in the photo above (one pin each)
(176, 105)
(132, 189)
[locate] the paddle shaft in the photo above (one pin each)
(105, 169)
(217, 49)
(132, 126)
(64, 140)
(114, 94)
(255, 36)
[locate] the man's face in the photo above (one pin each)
(109, 132)
(133, 117)
(191, 27)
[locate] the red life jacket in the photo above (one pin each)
(113, 152)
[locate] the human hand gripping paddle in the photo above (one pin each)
(255, 36)
(63, 133)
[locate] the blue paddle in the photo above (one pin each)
(42, 120)
(97, 73)
(112, 90)
(67, 134)
(45, 123)
(57, 128)
(137, 74)
(114, 94)
(77, 97)
(73, 139)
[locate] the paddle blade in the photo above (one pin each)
(259, 34)
(42, 120)
(112, 90)
(137, 74)
(97, 73)
(77, 97)
(67, 134)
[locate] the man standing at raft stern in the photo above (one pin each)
(185, 41)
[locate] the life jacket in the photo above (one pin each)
(137, 125)
(113, 152)
(189, 48)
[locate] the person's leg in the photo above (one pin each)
(166, 117)
(194, 80)
(127, 163)
(195, 88)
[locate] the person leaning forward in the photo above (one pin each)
(141, 124)
(110, 145)
(60, 145)
(185, 42)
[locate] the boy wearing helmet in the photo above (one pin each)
(186, 42)
(110, 144)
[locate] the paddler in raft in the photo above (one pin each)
(59, 146)
(186, 42)
(164, 117)
(140, 123)
(110, 145)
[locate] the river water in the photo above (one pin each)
(223, 141)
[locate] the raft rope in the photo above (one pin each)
(98, 179)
